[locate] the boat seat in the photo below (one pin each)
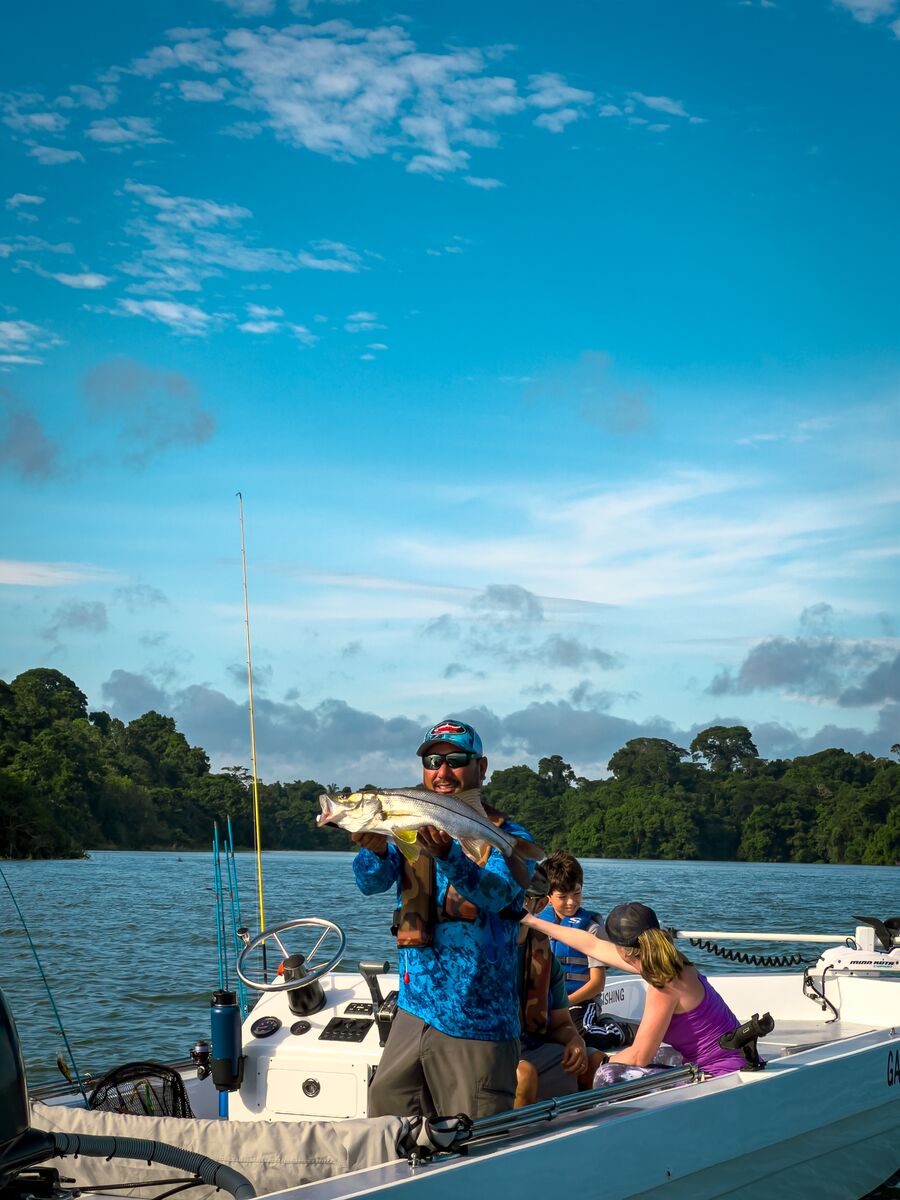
(790, 1037)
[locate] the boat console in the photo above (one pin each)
(311, 1045)
(316, 1066)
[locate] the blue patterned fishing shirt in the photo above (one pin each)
(464, 983)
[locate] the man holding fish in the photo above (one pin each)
(460, 869)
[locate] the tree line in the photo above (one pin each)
(72, 779)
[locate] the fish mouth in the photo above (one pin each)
(327, 813)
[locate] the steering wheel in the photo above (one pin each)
(283, 985)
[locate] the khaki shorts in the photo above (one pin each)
(552, 1079)
(424, 1072)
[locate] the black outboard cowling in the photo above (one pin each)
(20, 1145)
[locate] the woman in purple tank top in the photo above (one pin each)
(682, 1007)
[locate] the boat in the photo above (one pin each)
(820, 1119)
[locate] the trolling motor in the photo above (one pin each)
(745, 1037)
(873, 950)
(22, 1148)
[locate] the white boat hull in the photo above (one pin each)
(821, 1122)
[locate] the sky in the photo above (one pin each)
(554, 354)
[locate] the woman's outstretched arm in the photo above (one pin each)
(580, 939)
(659, 1006)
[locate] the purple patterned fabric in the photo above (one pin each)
(696, 1033)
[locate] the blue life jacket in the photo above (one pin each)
(574, 962)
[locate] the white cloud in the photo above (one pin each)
(551, 91)
(199, 91)
(89, 97)
(122, 131)
(259, 327)
(45, 574)
(250, 8)
(190, 240)
(340, 258)
(559, 101)
(192, 48)
(867, 11)
(674, 108)
(186, 212)
(263, 320)
(557, 121)
(52, 156)
(303, 335)
(21, 198)
(484, 182)
(19, 341)
(259, 311)
(359, 322)
(354, 92)
(87, 280)
(181, 318)
(35, 122)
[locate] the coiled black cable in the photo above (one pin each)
(753, 960)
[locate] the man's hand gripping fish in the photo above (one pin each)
(399, 813)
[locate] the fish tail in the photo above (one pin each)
(523, 852)
(518, 870)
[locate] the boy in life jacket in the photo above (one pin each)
(584, 976)
(552, 1054)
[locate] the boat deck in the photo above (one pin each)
(789, 1037)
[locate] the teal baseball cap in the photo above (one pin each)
(458, 733)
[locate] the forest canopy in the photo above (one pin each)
(71, 779)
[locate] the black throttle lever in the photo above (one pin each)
(382, 1008)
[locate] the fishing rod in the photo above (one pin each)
(231, 867)
(256, 827)
(221, 948)
(56, 1013)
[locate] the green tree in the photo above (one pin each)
(648, 761)
(168, 758)
(42, 696)
(556, 775)
(724, 748)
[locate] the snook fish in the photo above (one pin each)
(399, 813)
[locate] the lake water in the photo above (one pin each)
(128, 941)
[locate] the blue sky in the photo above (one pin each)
(555, 355)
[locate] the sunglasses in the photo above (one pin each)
(456, 758)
